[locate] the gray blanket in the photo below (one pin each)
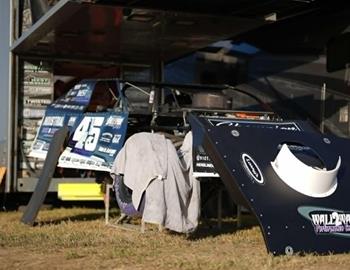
(151, 166)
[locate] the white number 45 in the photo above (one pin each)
(87, 133)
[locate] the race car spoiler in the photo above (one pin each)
(294, 179)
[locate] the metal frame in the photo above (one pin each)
(28, 184)
(42, 27)
(6, 21)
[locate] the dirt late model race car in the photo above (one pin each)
(101, 114)
(293, 178)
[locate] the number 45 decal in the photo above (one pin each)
(87, 133)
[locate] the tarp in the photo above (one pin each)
(154, 172)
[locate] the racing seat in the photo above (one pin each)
(123, 196)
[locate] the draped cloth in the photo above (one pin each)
(153, 169)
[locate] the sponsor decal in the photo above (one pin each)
(36, 102)
(106, 137)
(38, 145)
(33, 113)
(116, 138)
(203, 161)
(202, 164)
(205, 165)
(28, 134)
(205, 174)
(48, 132)
(72, 120)
(71, 160)
(107, 150)
(53, 121)
(202, 158)
(39, 149)
(290, 126)
(252, 169)
(68, 107)
(327, 221)
(33, 80)
(33, 164)
(29, 137)
(37, 91)
(82, 93)
(33, 129)
(114, 121)
(296, 148)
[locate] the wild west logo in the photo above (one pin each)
(327, 221)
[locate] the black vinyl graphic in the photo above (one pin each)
(290, 221)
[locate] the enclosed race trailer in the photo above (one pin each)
(39, 39)
(41, 42)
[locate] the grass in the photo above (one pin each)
(76, 238)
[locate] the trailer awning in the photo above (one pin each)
(104, 31)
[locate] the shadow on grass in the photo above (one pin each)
(210, 228)
(207, 227)
(96, 215)
(73, 218)
(95, 207)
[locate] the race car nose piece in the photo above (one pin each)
(305, 179)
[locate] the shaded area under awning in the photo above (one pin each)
(79, 30)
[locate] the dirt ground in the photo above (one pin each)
(77, 238)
